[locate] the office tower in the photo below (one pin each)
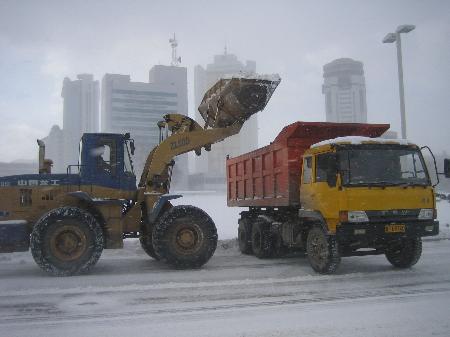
(54, 149)
(80, 113)
(345, 91)
(136, 107)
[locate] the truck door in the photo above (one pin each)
(326, 199)
(307, 194)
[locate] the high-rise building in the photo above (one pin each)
(213, 163)
(345, 91)
(54, 149)
(136, 107)
(80, 113)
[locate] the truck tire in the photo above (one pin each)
(66, 241)
(405, 253)
(185, 237)
(262, 239)
(245, 236)
(322, 250)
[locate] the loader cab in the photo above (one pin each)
(105, 160)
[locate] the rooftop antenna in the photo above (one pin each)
(175, 60)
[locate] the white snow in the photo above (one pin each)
(360, 140)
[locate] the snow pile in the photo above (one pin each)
(361, 140)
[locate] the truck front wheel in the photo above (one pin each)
(404, 253)
(185, 237)
(66, 241)
(322, 251)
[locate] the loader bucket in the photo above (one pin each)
(235, 99)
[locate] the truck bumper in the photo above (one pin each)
(385, 231)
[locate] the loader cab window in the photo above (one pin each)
(307, 170)
(105, 156)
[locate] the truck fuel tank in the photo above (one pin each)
(236, 99)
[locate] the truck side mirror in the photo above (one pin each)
(332, 171)
(447, 168)
(331, 179)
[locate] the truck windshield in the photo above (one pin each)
(381, 166)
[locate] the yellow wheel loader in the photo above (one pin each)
(68, 219)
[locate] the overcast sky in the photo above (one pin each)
(41, 42)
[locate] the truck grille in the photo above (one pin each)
(393, 215)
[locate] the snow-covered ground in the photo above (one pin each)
(129, 294)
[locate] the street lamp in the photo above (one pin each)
(395, 37)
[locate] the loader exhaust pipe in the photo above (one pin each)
(236, 99)
(45, 165)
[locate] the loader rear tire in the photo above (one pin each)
(322, 250)
(66, 241)
(262, 242)
(185, 237)
(405, 253)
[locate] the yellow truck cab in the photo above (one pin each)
(370, 193)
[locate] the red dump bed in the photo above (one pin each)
(270, 176)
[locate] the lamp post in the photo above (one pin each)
(395, 37)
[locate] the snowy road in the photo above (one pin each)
(233, 295)
(129, 294)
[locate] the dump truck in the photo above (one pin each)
(68, 219)
(334, 190)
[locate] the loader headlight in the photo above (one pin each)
(353, 216)
(426, 214)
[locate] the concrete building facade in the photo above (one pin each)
(136, 107)
(212, 164)
(54, 149)
(80, 113)
(345, 91)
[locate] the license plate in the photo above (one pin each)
(395, 228)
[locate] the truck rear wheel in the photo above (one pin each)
(245, 236)
(185, 237)
(261, 239)
(322, 250)
(66, 241)
(405, 253)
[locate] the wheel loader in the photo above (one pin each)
(68, 219)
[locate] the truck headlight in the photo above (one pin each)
(426, 214)
(353, 216)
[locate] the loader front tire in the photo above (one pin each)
(184, 237)
(66, 241)
(145, 238)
